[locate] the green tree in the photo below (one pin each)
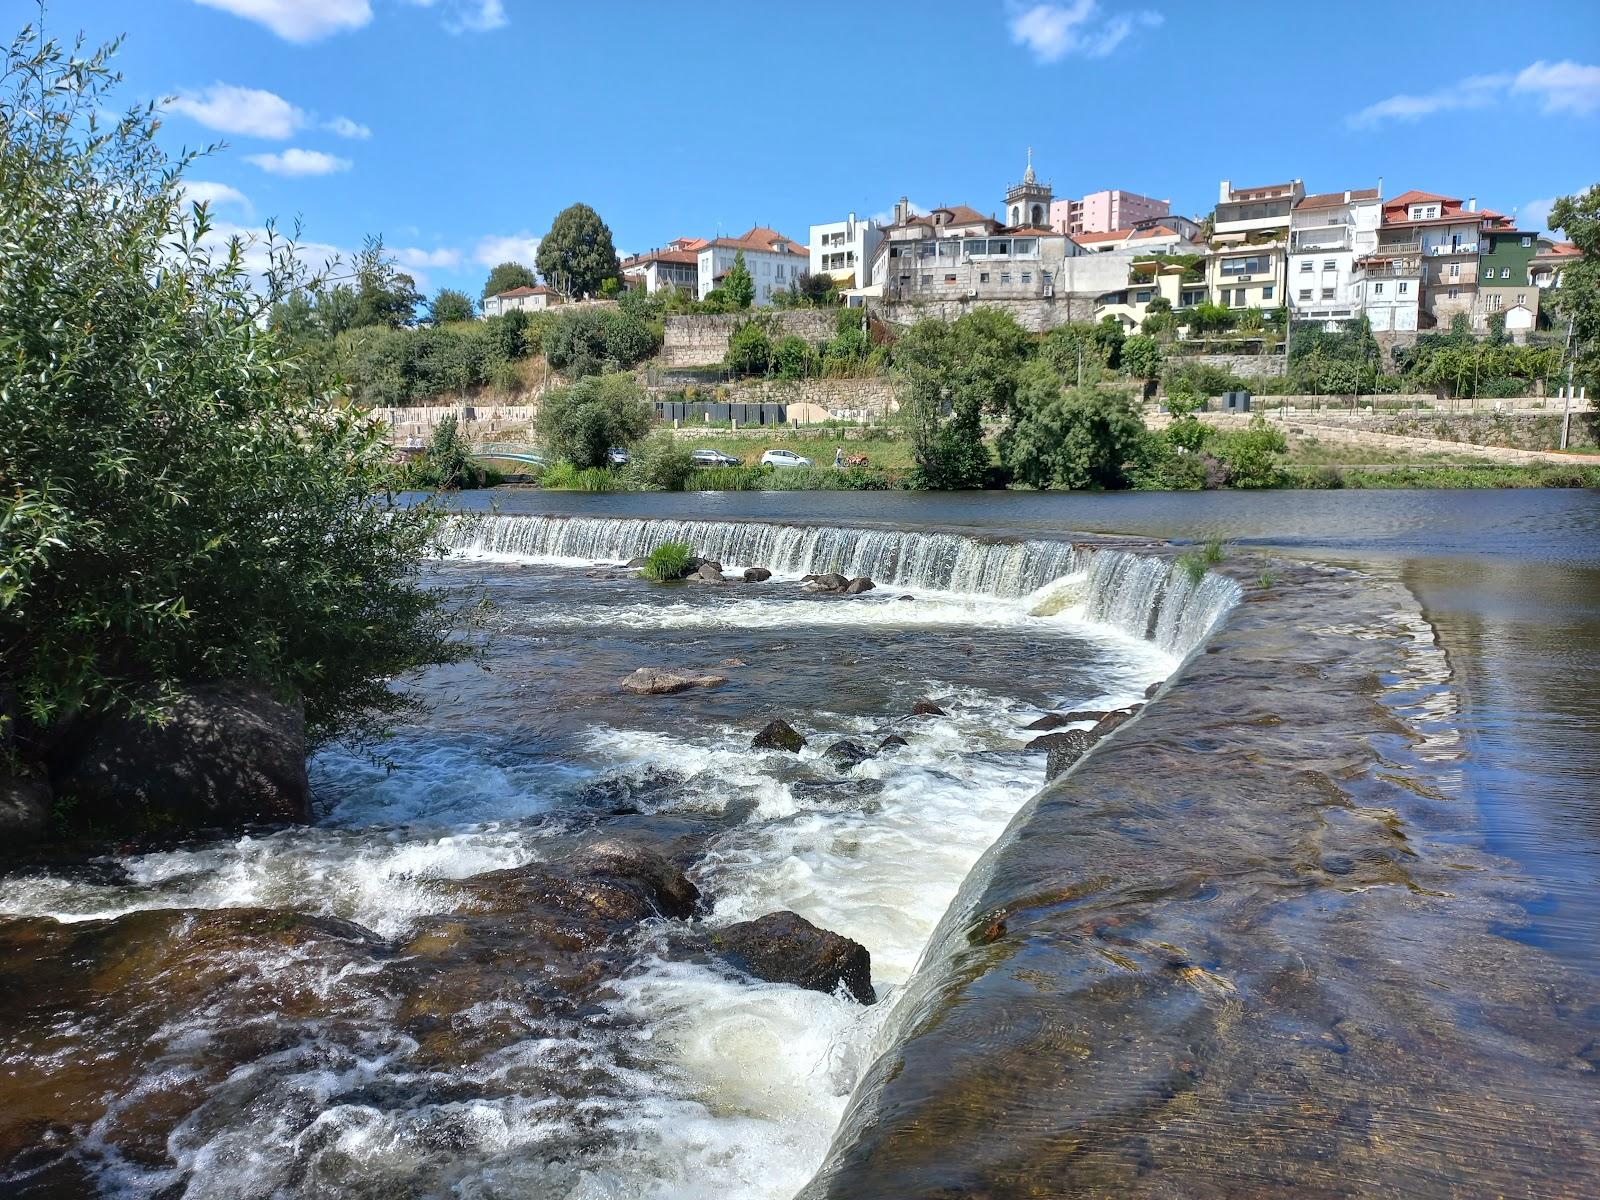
(177, 506)
(1141, 356)
(592, 341)
(791, 357)
(508, 275)
(1577, 299)
(1109, 336)
(581, 422)
(952, 374)
(1077, 438)
(749, 349)
(577, 255)
(738, 288)
(383, 295)
(450, 305)
(1254, 455)
(661, 463)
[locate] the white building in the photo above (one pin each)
(1328, 233)
(526, 299)
(774, 262)
(675, 266)
(843, 250)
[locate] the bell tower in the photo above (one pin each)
(1028, 202)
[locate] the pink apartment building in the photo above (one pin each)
(1102, 212)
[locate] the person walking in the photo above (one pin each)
(838, 457)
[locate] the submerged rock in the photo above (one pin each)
(846, 753)
(784, 947)
(756, 574)
(892, 741)
(1057, 720)
(778, 735)
(927, 708)
(1115, 720)
(614, 882)
(637, 561)
(656, 681)
(229, 755)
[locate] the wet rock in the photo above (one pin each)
(756, 574)
(1057, 720)
(927, 708)
(1062, 749)
(1153, 688)
(851, 791)
(831, 582)
(656, 681)
(708, 572)
(858, 585)
(846, 753)
(696, 564)
(891, 742)
(778, 735)
(783, 947)
(608, 885)
(24, 809)
(907, 597)
(231, 754)
(1115, 720)
(625, 792)
(637, 561)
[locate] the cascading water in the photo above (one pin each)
(1141, 595)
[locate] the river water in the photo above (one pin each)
(297, 1064)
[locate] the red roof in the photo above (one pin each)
(763, 239)
(960, 214)
(1413, 196)
(1155, 231)
(540, 290)
(671, 256)
(1110, 235)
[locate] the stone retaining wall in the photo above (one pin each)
(413, 427)
(857, 399)
(1245, 366)
(701, 339)
(1034, 315)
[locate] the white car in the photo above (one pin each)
(784, 458)
(713, 458)
(618, 457)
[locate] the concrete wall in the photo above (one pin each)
(414, 426)
(861, 399)
(701, 339)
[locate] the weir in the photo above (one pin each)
(1144, 595)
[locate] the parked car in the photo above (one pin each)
(617, 456)
(784, 458)
(713, 458)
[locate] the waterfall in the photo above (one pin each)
(1142, 595)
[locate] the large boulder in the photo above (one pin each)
(927, 708)
(784, 947)
(1057, 720)
(778, 735)
(1114, 720)
(228, 754)
(846, 753)
(604, 886)
(24, 809)
(756, 574)
(708, 572)
(831, 582)
(858, 585)
(656, 681)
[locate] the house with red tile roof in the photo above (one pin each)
(773, 260)
(524, 299)
(1329, 232)
(676, 266)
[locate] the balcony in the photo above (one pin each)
(1444, 249)
(1325, 237)
(1411, 249)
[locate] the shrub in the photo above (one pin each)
(593, 341)
(1080, 438)
(1253, 455)
(446, 463)
(791, 357)
(661, 463)
(669, 561)
(177, 504)
(749, 350)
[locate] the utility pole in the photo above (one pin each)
(1566, 403)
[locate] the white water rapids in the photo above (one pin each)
(715, 1085)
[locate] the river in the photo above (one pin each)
(304, 1068)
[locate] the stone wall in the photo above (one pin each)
(412, 427)
(808, 399)
(701, 339)
(1519, 431)
(1036, 315)
(1245, 366)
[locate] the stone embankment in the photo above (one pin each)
(701, 339)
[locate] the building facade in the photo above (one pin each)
(1328, 234)
(844, 250)
(1505, 281)
(674, 267)
(774, 262)
(520, 299)
(1103, 212)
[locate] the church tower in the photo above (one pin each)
(1028, 202)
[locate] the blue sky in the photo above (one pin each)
(458, 128)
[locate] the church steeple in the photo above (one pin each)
(1028, 202)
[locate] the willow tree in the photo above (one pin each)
(177, 505)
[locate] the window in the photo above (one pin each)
(1488, 272)
(1327, 293)
(1266, 292)
(1329, 264)
(1522, 298)
(1527, 241)
(1377, 289)
(1027, 277)
(983, 277)
(1305, 294)
(1143, 297)
(1455, 270)
(1005, 276)
(1505, 272)
(927, 279)
(1045, 277)
(999, 247)
(1404, 288)
(1305, 267)
(1452, 293)
(780, 270)
(1024, 246)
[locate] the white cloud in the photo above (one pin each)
(1053, 31)
(470, 16)
(216, 195)
(418, 259)
(887, 216)
(249, 111)
(295, 161)
(299, 20)
(346, 128)
(518, 247)
(1562, 87)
